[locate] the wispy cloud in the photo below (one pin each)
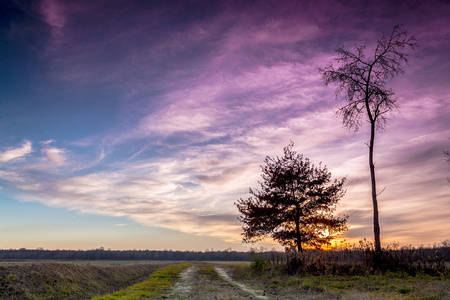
(55, 155)
(153, 194)
(54, 15)
(16, 153)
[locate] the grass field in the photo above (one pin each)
(388, 286)
(203, 280)
(85, 262)
(205, 283)
(70, 280)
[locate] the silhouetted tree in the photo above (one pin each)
(363, 80)
(295, 203)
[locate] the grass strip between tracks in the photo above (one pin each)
(158, 282)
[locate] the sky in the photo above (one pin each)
(139, 124)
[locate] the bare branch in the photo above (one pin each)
(381, 191)
(365, 78)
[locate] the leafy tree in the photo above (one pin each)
(295, 203)
(363, 79)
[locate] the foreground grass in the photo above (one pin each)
(6, 263)
(389, 286)
(83, 281)
(372, 287)
(158, 283)
(56, 280)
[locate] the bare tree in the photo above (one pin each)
(363, 80)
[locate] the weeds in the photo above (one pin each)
(360, 259)
(391, 285)
(208, 272)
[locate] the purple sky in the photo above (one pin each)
(138, 124)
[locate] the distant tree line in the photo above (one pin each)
(441, 250)
(102, 254)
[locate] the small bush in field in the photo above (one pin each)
(259, 263)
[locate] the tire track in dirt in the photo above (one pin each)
(184, 285)
(258, 294)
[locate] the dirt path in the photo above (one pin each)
(183, 288)
(210, 282)
(224, 275)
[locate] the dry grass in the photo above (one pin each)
(67, 280)
(278, 285)
(83, 281)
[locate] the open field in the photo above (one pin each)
(202, 280)
(86, 262)
(74, 280)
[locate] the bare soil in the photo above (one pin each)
(258, 294)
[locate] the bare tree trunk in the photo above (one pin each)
(376, 224)
(297, 221)
(299, 238)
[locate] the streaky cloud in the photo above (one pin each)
(55, 155)
(17, 153)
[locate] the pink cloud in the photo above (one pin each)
(54, 15)
(16, 153)
(55, 155)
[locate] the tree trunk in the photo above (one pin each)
(297, 220)
(376, 224)
(299, 238)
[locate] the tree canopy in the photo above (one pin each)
(295, 204)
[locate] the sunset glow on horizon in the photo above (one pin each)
(138, 124)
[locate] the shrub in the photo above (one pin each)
(364, 259)
(259, 263)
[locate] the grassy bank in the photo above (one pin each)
(157, 284)
(45, 280)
